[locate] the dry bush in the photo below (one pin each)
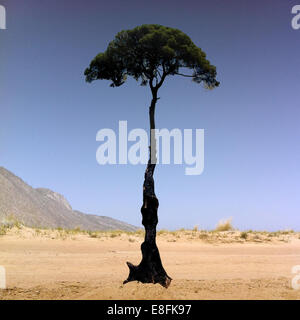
(224, 225)
(203, 236)
(244, 235)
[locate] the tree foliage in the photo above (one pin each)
(149, 53)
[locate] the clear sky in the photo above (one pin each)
(50, 116)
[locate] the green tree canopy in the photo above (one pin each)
(149, 53)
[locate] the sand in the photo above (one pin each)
(49, 266)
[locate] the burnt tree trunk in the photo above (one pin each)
(150, 270)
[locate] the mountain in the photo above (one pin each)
(45, 208)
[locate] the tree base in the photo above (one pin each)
(150, 270)
(148, 274)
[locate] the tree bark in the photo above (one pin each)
(150, 270)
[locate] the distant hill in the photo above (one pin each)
(45, 208)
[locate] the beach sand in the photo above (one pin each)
(47, 265)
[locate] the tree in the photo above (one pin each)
(150, 53)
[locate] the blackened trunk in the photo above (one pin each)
(150, 270)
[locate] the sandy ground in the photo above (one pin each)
(84, 267)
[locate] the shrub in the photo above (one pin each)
(3, 230)
(224, 225)
(244, 235)
(203, 236)
(113, 235)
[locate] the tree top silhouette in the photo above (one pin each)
(149, 53)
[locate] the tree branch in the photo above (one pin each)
(158, 72)
(161, 80)
(151, 86)
(184, 75)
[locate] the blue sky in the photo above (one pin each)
(50, 116)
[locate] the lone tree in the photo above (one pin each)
(149, 53)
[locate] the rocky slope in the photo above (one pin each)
(45, 208)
